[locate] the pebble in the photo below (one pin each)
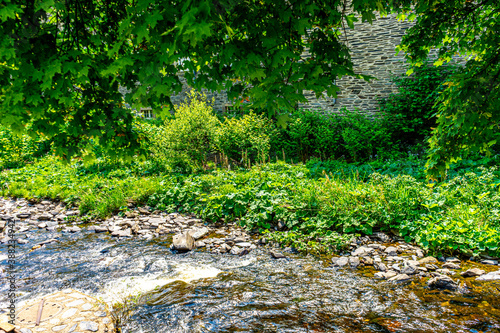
(59, 328)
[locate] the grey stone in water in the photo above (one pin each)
(199, 244)
(380, 266)
(451, 265)
(453, 260)
(22, 241)
(277, 255)
(362, 251)
(42, 225)
(100, 228)
(199, 233)
(122, 233)
(367, 261)
(400, 277)
(444, 271)
(420, 254)
(391, 251)
(409, 269)
(442, 282)
(491, 276)
(342, 261)
(489, 262)
(431, 267)
(472, 272)
(183, 242)
(44, 217)
(236, 250)
(89, 326)
(354, 262)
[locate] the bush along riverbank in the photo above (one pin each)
(381, 255)
(291, 204)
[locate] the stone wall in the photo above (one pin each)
(373, 53)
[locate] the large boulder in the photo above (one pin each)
(183, 242)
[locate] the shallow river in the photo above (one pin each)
(203, 292)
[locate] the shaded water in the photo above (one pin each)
(203, 292)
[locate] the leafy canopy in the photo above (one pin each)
(62, 62)
(468, 115)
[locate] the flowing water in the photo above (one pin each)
(203, 292)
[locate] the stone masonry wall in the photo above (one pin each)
(373, 53)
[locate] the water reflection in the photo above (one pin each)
(201, 292)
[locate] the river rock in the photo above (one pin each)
(408, 269)
(427, 260)
(472, 272)
(224, 248)
(489, 262)
(367, 261)
(380, 266)
(100, 228)
(200, 243)
(451, 265)
(453, 260)
(400, 277)
(354, 262)
(122, 233)
(383, 237)
(340, 261)
(491, 276)
(45, 217)
(183, 242)
(199, 233)
(391, 251)
(442, 282)
(277, 255)
(419, 253)
(362, 251)
(243, 244)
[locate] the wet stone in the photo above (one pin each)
(491, 276)
(472, 272)
(72, 328)
(442, 282)
(489, 262)
(451, 265)
(354, 262)
(25, 330)
(89, 326)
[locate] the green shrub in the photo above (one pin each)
(410, 111)
(186, 141)
(17, 150)
(246, 139)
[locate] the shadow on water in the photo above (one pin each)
(204, 292)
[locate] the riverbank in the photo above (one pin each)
(314, 209)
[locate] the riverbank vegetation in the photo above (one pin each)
(313, 184)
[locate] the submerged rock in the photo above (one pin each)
(183, 242)
(491, 276)
(472, 272)
(442, 282)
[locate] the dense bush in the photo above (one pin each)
(16, 150)
(184, 142)
(246, 139)
(410, 111)
(350, 135)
